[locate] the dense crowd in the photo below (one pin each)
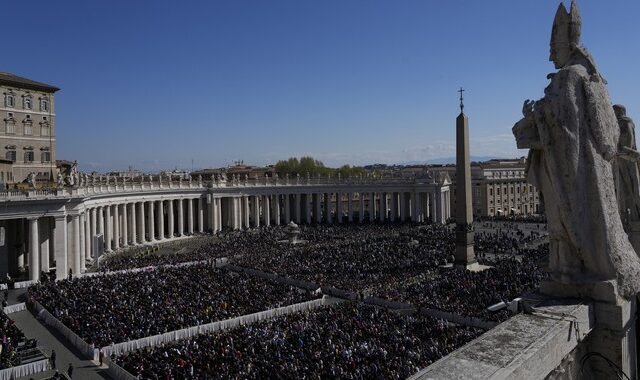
(342, 341)
(11, 337)
(120, 307)
(470, 293)
(195, 249)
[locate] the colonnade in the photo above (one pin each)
(84, 231)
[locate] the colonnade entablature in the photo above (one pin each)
(71, 225)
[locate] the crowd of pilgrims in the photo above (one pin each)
(469, 293)
(114, 308)
(347, 341)
(11, 338)
(399, 262)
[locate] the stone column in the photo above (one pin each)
(86, 255)
(100, 221)
(372, 206)
(415, 207)
(34, 250)
(317, 211)
(141, 229)
(152, 221)
(339, 207)
(201, 215)
(256, 211)
(75, 245)
(161, 235)
(171, 219)
(44, 230)
(361, 207)
(180, 217)
(108, 227)
(393, 205)
(116, 227)
(297, 208)
(60, 244)
(328, 208)
(125, 225)
(382, 215)
(276, 209)
(93, 228)
(190, 220)
(266, 212)
(212, 218)
(287, 208)
(81, 231)
(133, 223)
(246, 212)
(306, 207)
(350, 207)
(20, 238)
(433, 207)
(218, 210)
(403, 207)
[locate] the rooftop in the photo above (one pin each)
(14, 80)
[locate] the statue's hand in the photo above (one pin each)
(527, 108)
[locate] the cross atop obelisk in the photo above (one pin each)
(464, 216)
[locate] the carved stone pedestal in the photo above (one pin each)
(614, 332)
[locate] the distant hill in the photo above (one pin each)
(447, 160)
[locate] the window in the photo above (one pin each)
(45, 157)
(44, 104)
(9, 100)
(28, 156)
(44, 130)
(11, 128)
(27, 102)
(10, 155)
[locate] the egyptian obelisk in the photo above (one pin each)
(464, 216)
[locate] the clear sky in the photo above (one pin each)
(156, 84)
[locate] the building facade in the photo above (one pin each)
(499, 188)
(27, 128)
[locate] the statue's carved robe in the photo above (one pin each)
(573, 135)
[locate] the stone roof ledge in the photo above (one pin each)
(527, 346)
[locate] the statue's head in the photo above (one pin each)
(620, 111)
(565, 35)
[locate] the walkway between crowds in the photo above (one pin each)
(47, 341)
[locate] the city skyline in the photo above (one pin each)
(155, 86)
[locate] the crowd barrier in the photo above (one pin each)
(25, 370)
(87, 350)
(25, 284)
(275, 277)
(217, 263)
(15, 308)
(392, 305)
(459, 319)
(176, 335)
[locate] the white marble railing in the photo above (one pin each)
(141, 185)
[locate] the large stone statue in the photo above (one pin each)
(627, 177)
(572, 134)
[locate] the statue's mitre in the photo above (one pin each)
(567, 26)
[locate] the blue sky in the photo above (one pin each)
(156, 84)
